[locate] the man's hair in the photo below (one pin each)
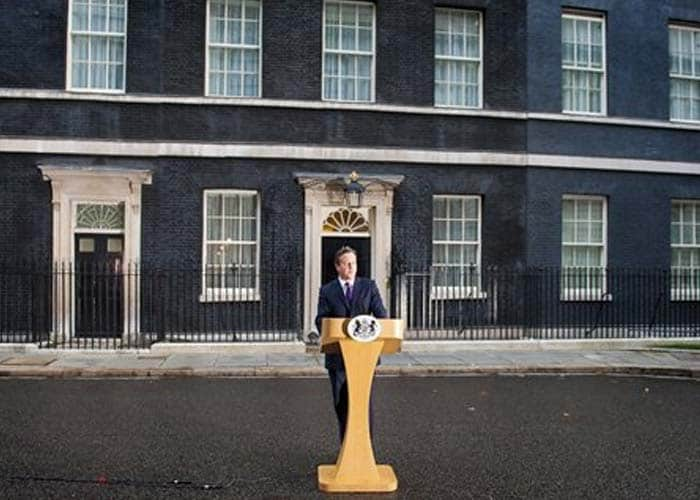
(342, 251)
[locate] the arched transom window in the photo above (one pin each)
(345, 220)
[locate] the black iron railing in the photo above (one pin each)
(116, 305)
(547, 303)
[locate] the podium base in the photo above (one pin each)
(385, 483)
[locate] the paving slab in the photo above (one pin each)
(693, 356)
(290, 360)
(480, 358)
(133, 362)
(194, 361)
(233, 361)
(401, 359)
(29, 361)
(435, 359)
(78, 362)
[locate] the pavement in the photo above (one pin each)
(653, 357)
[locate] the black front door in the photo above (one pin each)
(331, 244)
(99, 309)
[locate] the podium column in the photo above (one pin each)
(356, 469)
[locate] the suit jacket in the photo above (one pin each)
(333, 304)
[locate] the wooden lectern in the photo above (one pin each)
(356, 469)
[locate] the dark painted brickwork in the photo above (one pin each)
(33, 43)
(292, 49)
(143, 52)
(639, 213)
(183, 46)
(580, 139)
(250, 124)
(637, 53)
(25, 210)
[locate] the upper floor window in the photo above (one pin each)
(348, 51)
(97, 45)
(684, 46)
(583, 247)
(231, 253)
(233, 48)
(685, 249)
(458, 55)
(456, 246)
(583, 64)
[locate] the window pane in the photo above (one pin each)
(347, 14)
(231, 206)
(441, 44)
(214, 232)
(251, 32)
(471, 208)
(456, 231)
(347, 39)
(365, 40)
(471, 231)
(439, 207)
(568, 232)
(332, 14)
(364, 66)
(248, 227)
(454, 206)
(439, 230)
(230, 229)
(116, 19)
(98, 17)
(363, 90)
(365, 16)
(80, 16)
(248, 206)
(332, 36)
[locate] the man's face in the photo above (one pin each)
(346, 267)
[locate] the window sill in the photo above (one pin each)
(454, 106)
(230, 296)
(680, 120)
(583, 113)
(97, 91)
(585, 296)
(685, 295)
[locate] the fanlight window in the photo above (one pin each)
(346, 221)
(93, 216)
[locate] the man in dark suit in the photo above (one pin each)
(346, 297)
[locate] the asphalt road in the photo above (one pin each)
(457, 437)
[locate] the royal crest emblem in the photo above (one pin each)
(363, 328)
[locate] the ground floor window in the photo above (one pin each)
(685, 249)
(231, 250)
(456, 246)
(583, 248)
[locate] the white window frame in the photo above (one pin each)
(230, 294)
(604, 63)
(444, 292)
(696, 69)
(354, 53)
(691, 294)
(241, 46)
(586, 294)
(480, 60)
(69, 52)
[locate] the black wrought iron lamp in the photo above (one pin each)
(353, 191)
